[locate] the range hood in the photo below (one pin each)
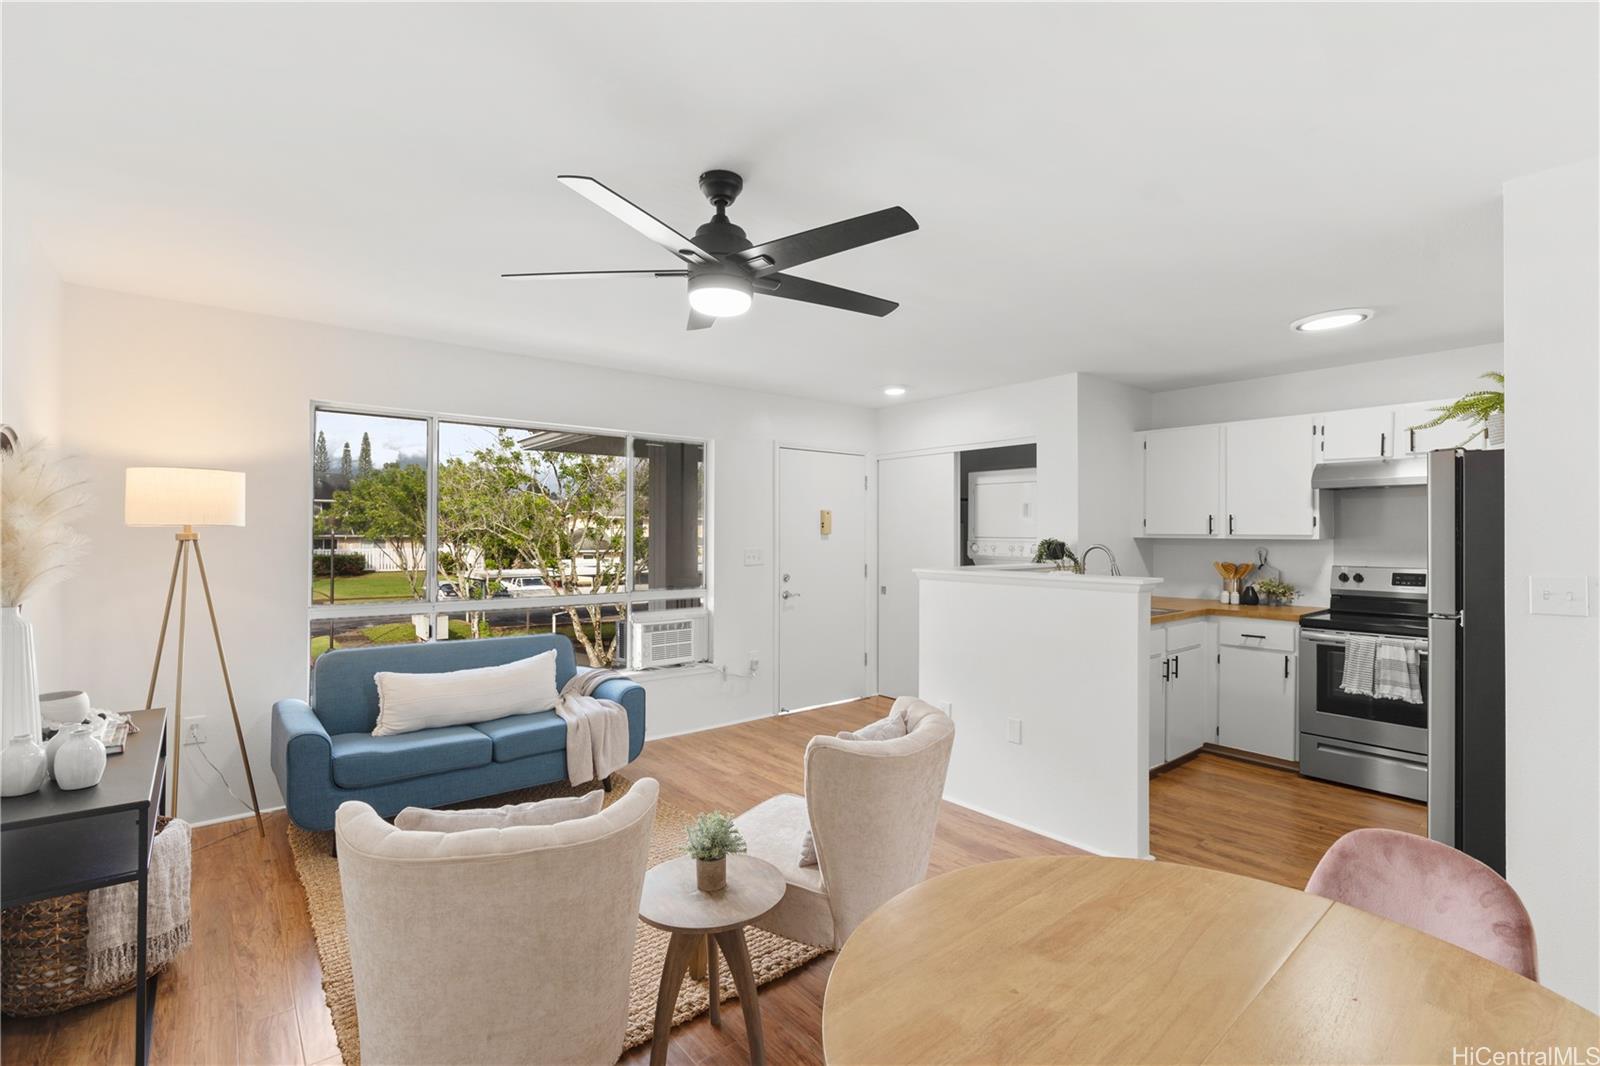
(1371, 473)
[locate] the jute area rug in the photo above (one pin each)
(771, 956)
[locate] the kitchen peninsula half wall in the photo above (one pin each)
(1044, 673)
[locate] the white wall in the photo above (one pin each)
(154, 382)
(1042, 411)
(30, 388)
(1552, 294)
(1428, 376)
(1111, 470)
(1379, 527)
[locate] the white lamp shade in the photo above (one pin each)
(181, 496)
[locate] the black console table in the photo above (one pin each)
(53, 842)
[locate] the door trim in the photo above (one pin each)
(869, 616)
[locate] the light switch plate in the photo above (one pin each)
(1558, 595)
(1014, 730)
(752, 557)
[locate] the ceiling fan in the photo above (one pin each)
(724, 269)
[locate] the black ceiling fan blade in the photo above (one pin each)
(699, 321)
(637, 217)
(602, 274)
(790, 287)
(797, 248)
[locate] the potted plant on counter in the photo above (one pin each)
(712, 838)
(1051, 550)
(1273, 590)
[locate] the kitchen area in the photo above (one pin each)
(1362, 649)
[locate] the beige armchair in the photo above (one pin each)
(871, 807)
(494, 945)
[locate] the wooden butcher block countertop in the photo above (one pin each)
(1185, 608)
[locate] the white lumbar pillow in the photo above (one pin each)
(543, 812)
(409, 702)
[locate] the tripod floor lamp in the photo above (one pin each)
(177, 496)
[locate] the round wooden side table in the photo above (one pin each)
(708, 921)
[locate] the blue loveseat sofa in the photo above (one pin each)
(324, 753)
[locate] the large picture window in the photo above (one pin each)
(486, 529)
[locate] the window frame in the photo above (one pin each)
(432, 605)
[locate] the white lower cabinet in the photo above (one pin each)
(1158, 707)
(1256, 694)
(1183, 689)
(1191, 701)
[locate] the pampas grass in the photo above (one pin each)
(38, 500)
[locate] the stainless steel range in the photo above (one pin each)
(1381, 744)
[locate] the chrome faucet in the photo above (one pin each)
(1083, 560)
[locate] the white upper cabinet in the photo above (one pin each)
(1268, 477)
(1182, 483)
(1365, 433)
(1421, 441)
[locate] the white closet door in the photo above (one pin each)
(918, 527)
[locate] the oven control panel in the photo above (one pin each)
(1381, 580)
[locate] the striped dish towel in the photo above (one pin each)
(1397, 674)
(1360, 654)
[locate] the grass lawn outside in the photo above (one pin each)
(403, 632)
(385, 585)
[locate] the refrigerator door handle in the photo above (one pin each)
(1442, 703)
(1442, 532)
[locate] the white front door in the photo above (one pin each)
(918, 526)
(822, 578)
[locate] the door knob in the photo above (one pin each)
(790, 595)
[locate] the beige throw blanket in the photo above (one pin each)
(597, 730)
(114, 914)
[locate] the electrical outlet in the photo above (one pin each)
(1014, 730)
(755, 663)
(195, 730)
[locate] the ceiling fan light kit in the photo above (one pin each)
(720, 294)
(724, 270)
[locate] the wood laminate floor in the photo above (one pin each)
(249, 990)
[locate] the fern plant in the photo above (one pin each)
(713, 836)
(1276, 590)
(1475, 407)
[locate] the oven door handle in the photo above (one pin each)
(1328, 636)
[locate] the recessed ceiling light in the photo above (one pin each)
(894, 390)
(1326, 320)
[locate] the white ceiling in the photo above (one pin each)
(1147, 192)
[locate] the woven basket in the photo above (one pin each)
(46, 956)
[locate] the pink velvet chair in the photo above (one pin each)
(1431, 887)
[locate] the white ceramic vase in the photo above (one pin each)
(22, 765)
(81, 761)
(19, 676)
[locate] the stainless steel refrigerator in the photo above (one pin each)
(1466, 660)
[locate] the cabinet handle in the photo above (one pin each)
(1230, 525)
(1383, 444)
(1285, 666)
(1211, 522)
(1413, 433)
(1166, 670)
(1253, 636)
(1174, 667)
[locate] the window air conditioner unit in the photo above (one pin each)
(666, 638)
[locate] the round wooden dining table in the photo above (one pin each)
(1084, 959)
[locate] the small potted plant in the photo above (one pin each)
(1051, 550)
(1486, 407)
(1272, 590)
(712, 838)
